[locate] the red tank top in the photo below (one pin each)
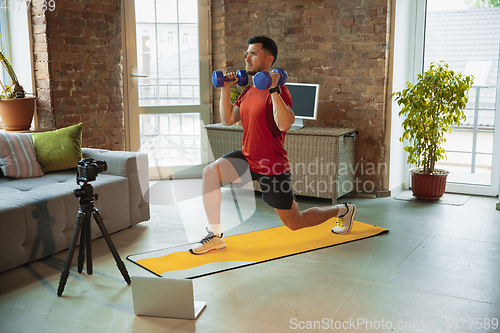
(263, 142)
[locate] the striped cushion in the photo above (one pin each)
(17, 156)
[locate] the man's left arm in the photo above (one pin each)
(283, 115)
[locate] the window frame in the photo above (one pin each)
(4, 43)
(203, 108)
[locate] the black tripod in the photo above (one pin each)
(87, 197)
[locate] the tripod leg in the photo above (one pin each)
(71, 252)
(119, 262)
(81, 252)
(88, 240)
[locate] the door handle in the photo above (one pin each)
(135, 75)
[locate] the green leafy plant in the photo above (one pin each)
(235, 93)
(431, 106)
(15, 90)
(482, 3)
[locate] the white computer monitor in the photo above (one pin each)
(305, 101)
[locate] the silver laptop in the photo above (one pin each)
(165, 297)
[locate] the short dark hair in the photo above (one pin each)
(267, 44)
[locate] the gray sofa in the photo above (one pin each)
(38, 215)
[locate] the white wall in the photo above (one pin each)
(408, 34)
(399, 78)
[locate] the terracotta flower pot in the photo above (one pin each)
(428, 187)
(17, 113)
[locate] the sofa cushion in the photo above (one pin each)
(59, 149)
(18, 157)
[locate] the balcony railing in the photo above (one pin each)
(170, 139)
(480, 112)
(154, 93)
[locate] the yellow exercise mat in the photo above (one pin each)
(249, 248)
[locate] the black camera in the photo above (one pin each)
(88, 169)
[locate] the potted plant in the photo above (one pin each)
(235, 93)
(16, 109)
(431, 106)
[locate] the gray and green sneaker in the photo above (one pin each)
(208, 243)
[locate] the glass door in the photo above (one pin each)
(168, 53)
(468, 40)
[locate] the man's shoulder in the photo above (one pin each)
(243, 94)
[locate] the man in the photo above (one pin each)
(266, 115)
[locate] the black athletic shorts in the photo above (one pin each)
(276, 190)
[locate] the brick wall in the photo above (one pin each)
(339, 44)
(78, 69)
(45, 110)
(219, 42)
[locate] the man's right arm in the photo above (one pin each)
(229, 113)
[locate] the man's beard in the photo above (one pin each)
(255, 70)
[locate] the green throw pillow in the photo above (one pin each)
(60, 149)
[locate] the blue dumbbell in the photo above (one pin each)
(263, 80)
(218, 78)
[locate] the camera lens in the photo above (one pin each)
(101, 166)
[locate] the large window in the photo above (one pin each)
(467, 39)
(171, 138)
(16, 38)
(169, 89)
(167, 52)
(3, 43)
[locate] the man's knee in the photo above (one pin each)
(291, 218)
(211, 171)
(293, 223)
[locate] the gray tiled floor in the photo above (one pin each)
(438, 262)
